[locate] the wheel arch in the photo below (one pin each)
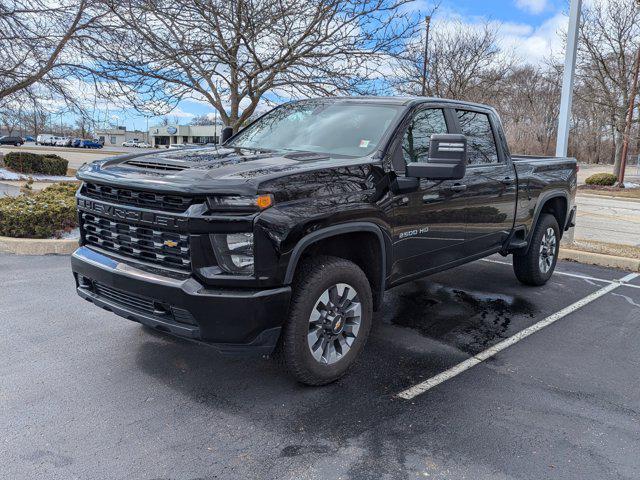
(333, 237)
(555, 202)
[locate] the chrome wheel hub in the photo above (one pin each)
(548, 249)
(334, 323)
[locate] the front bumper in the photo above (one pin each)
(232, 320)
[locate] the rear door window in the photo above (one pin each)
(480, 140)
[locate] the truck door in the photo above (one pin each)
(428, 223)
(490, 180)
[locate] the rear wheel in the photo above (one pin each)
(329, 320)
(537, 265)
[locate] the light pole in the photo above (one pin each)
(425, 62)
(562, 142)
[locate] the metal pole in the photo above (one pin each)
(627, 127)
(215, 126)
(562, 143)
(427, 21)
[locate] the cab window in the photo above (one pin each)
(415, 143)
(481, 143)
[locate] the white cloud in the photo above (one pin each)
(532, 6)
(534, 45)
(179, 113)
(528, 44)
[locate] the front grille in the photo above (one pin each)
(167, 249)
(138, 198)
(142, 304)
(125, 299)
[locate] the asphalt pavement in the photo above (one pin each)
(87, 395)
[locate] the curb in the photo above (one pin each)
(610, 197)
(36, 246)
(624, 263)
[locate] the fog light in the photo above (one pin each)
(234, 252)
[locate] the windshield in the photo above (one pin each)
(336, 129)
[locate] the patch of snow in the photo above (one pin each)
(9, 175)
(72, 234)
(631, 185)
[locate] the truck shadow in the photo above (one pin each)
(426, 328)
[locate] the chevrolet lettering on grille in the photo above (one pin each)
(137, 216)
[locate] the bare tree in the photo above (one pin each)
(528, 101)
(37, 37)
(201, 120)
(10, 119)
(464, 62)
(232, 53)
(609, 37)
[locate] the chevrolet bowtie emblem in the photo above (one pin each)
(170, 243)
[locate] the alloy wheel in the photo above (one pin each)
(334, 323)
(548, 248)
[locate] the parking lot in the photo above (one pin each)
(76, 156)
(86, 394)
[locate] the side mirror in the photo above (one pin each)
(227, 132)
(447, 159)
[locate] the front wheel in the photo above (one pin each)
(537, 265)
(329, 320)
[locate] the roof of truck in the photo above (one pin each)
(405, 100)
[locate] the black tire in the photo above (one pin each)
(531, 268)
(313, 279)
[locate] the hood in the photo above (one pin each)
(205, 170)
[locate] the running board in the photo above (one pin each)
(515, 241)
(516, 244)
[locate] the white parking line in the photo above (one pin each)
(567, 274)
(422, 387)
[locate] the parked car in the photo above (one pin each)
(89, 144)
(61, 141)
(9, 140)
(75, 143)
(29, 138)
(130, 143)
(293, 230)
(45, 139)
(143, 145)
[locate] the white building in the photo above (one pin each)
(117, 136)
(184, 134)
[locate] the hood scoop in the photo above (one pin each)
(157, 165)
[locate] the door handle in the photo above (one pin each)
(458, 188)
(402, 201)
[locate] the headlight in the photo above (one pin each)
(240, 203)
(234, 252)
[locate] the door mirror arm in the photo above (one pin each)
(404, 184)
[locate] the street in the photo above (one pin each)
(86, 394)
(606, 219)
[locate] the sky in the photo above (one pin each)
(528, 28)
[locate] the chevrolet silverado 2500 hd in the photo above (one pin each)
(284, 238)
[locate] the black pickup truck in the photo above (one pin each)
(284, 239)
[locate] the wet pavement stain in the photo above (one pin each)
(469, 320)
